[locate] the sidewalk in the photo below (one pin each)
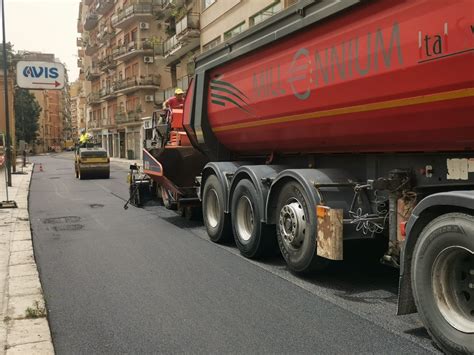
(24, 327)
(125, 162)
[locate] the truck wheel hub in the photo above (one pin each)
(292, 224)
(212, 208)
(452, 280)
(245, 218)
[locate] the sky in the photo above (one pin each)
(48, 26)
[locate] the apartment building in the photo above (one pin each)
(224, 19)
(77, 107)
(135, 53)
(182, 21)
(121, 51)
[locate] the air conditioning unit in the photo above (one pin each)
(144, 25)
(148, 60)
(149, 98)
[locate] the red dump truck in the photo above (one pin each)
(335, 121)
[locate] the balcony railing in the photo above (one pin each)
(188, 25)
(107, 122)
(92, 72)
(92, 19)
(134, 12)
(107, 63)
(170, 44)
(175, 47)
(103, 6)
(93, 98)
(172, 3)
(108, 92)
(105, 34)
(91, 48)
(132, 49)
(129, 117)
(138, 83)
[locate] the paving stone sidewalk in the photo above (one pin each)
(24, 328)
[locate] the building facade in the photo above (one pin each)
(133, 54)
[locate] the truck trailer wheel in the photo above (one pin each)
(443, 281)
(217, 223)
(251, 236)
(296, 230)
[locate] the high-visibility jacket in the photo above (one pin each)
(84, 138)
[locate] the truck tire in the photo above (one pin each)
(218, 224)
(296, 230)
(443, 279)
(252, 237)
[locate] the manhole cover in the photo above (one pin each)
(96, 205)
(58, 220)
(68, 227)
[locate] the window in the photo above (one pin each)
(265, 13)
(207, 3)
(234, 31)
(211, 44)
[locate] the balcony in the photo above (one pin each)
(80, 53)
(130, 117)
(94, 125)
(79, 42)
(108, 93)
(105, 34)
(170, 4)
(93, 98)
(133, 14)
(104, 6)
(133, 49)
(107, 122)
(80, 26)
(187, 28)
(107, 63)
(175, 48)
(91, 48)
(92, 73)
(92, 19)
(151, 82)
(79, 62)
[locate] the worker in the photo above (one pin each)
(85, 137)
(176, 101)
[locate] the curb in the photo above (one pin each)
(27, 328)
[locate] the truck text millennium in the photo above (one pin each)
(334, 121)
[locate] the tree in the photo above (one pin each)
(27, 112)
(10, 55)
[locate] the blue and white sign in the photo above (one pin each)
(40, 75)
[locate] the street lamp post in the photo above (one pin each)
(7, 109)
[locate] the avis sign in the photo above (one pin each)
(40, 75)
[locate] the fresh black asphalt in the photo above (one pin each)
(148, 281)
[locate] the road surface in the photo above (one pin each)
(147, 280)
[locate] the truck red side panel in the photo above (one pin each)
(385, 76)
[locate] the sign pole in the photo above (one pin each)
(7, 108)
